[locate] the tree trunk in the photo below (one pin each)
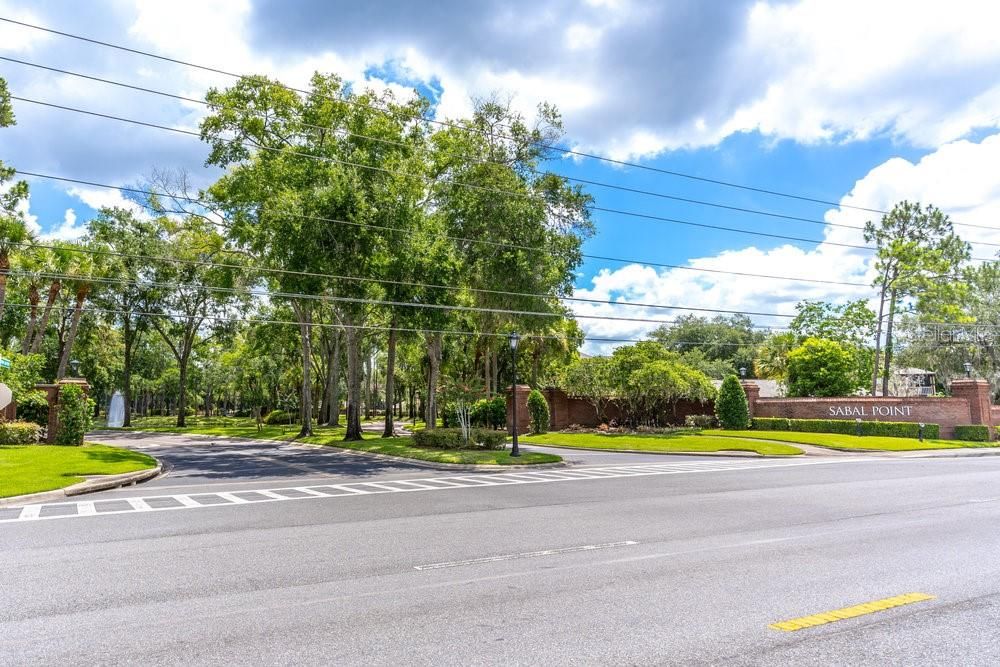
(4, 272)
(39, 334)
(878, 340)
(434, 357)
(327, 355)
(182, 391)
(304, 315)
(333, 419)
(127, 335)
(888, 343)
(369, 391)
(81, 296)
(390, 388)
(33, 298)
(354, 365)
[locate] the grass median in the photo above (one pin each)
(36, 468)
(334, 437)
(849, 442)
(669, 442)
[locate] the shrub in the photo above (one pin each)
(821, 367)
(34, 407)
(731, 406)
(699, 421)
(479, 413)
(76, 415)
(19, 433)
(277, 417)
(451, 438)
(847, 427)
(498, 412)
(972, 432)
(489, 412)
(539, 411)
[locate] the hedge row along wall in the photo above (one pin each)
(886, 429)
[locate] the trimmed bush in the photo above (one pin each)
(489, 412)
(76, 415)
(277, 417)
(847, 427)
(33, 407)
(972, 432)
(451, 438)
(731, 406)
(699, 421)
(19, 433)
(538, 408)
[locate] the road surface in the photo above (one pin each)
(312, 556)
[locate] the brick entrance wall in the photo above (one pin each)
(969, 404)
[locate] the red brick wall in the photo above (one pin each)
(946, 412)
(566, 410)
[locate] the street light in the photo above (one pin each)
(75, 365)
(743, 371)
(514, 339)
(968, 369)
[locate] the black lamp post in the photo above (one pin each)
(513, 339)
(75, 365)
(743, 372)
(968, 369)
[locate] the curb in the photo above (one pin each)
(375, 455)
(726, 454)
(98, 483)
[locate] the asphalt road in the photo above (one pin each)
(618, 560)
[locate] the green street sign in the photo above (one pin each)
(4, 362)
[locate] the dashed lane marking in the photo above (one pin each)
(526, 554)
(244, 497)
(849, 612)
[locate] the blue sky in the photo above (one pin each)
(851, 102)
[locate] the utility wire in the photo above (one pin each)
(552, 147)
(366, 301)
(324, 325)
(500, 244)
(382, 140)
(431, 180)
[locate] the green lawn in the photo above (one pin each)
(36, 468)
(679, 442)
(836, 441)
(403, 447)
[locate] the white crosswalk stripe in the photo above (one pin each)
(210, 499)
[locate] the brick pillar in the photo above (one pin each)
(558, 408)
(753, 393)
(523, 418)
(977, 393)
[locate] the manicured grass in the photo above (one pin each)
(679, 442)
(245, 428)
(837, 441)
(35, 468)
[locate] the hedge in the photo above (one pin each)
(19, 433)
(451, 438)
(277, 417)
(972, 432)
(846, 427)
(731, 405)
(538, 408)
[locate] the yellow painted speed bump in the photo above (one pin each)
(849, 612)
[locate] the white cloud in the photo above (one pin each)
(14, 38)
(68, 230)
(959, 178)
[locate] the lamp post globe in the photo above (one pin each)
(513, 339)
(968, 369)
(75, 365)
(743, 371)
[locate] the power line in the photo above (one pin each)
(431, 180)
(324, 325)
(204, 202)
(574, 179)
(552, 147)
(367, 301)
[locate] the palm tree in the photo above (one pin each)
(82, 269)
(58, 260)
(31, 267)
(14, 233)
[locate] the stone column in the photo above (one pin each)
(523, 418)
(977, 393)
(753, 393)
